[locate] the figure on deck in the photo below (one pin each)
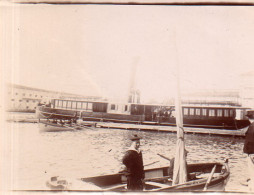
(249, 149)
(133, 161)
(171, 168)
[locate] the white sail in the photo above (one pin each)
(180, 165)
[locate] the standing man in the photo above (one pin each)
(249, 149)
(134, 162)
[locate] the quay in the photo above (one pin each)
(189, 130)
(125, 126)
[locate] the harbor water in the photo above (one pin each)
(35, 156)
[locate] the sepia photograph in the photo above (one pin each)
(127, 97)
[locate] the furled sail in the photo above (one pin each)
(180, 165)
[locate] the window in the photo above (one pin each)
(41, 96)
(35, 95)
(126, 108)
(226, 113)
(204, 112)
(79, 105)
(60, 103)
(12, 99)
(27, 100)
(64, 104)
(16, 93)
(33, 101)
(74, 105)
(56, 103)
(27, 107)
(30, 95)
(192, 111)
(219, 112)
(113, 106)
(69, 104)
(20, 100)
(89, 106)
(197, 111)
(231, 113)
(212, 112)
(84, 105)
(185, 111)
(24, 94)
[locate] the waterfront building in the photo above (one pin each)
(213, 97)
(25, 99)
(247, 89)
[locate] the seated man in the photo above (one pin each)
(171, 168)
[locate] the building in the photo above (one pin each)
(247, 89)
(25, 99)
(213, 97)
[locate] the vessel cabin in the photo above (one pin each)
(88, 106)
(149, 112)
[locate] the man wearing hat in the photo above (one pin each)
(249, 149)
(134, 163)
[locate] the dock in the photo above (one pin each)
(172, 129)
(143, 127)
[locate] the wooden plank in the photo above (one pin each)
(160, 185)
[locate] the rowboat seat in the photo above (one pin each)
(115, 187)
(160, 185)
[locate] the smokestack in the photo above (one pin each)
(133, 95)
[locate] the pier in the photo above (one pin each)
(189, 130)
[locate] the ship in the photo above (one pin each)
(66, 113)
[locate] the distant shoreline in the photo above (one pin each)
(20, 111)
(21, 116)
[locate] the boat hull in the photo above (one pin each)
(227, 124)
(158, 179)
(52, 127)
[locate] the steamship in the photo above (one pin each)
(66, 113)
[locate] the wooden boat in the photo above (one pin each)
(202, 176)
(55, 125)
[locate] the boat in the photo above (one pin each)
(223, 119)
(177, 177)
(56, 126)
(203, 177)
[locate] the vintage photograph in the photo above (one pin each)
(121, 97)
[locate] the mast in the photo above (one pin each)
(180, 165)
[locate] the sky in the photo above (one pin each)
(91, 49)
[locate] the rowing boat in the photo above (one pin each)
(201, 177)
(53, 126)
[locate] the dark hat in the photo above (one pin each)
(135, 137)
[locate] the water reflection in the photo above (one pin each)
(40, 155)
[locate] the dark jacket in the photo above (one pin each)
(249, 140)
(134, 163)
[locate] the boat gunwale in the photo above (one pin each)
(193, 183)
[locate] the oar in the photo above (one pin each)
(162, 156)
(209, 178)
(152, 163)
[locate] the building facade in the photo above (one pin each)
(247, 89)
(25, 99)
